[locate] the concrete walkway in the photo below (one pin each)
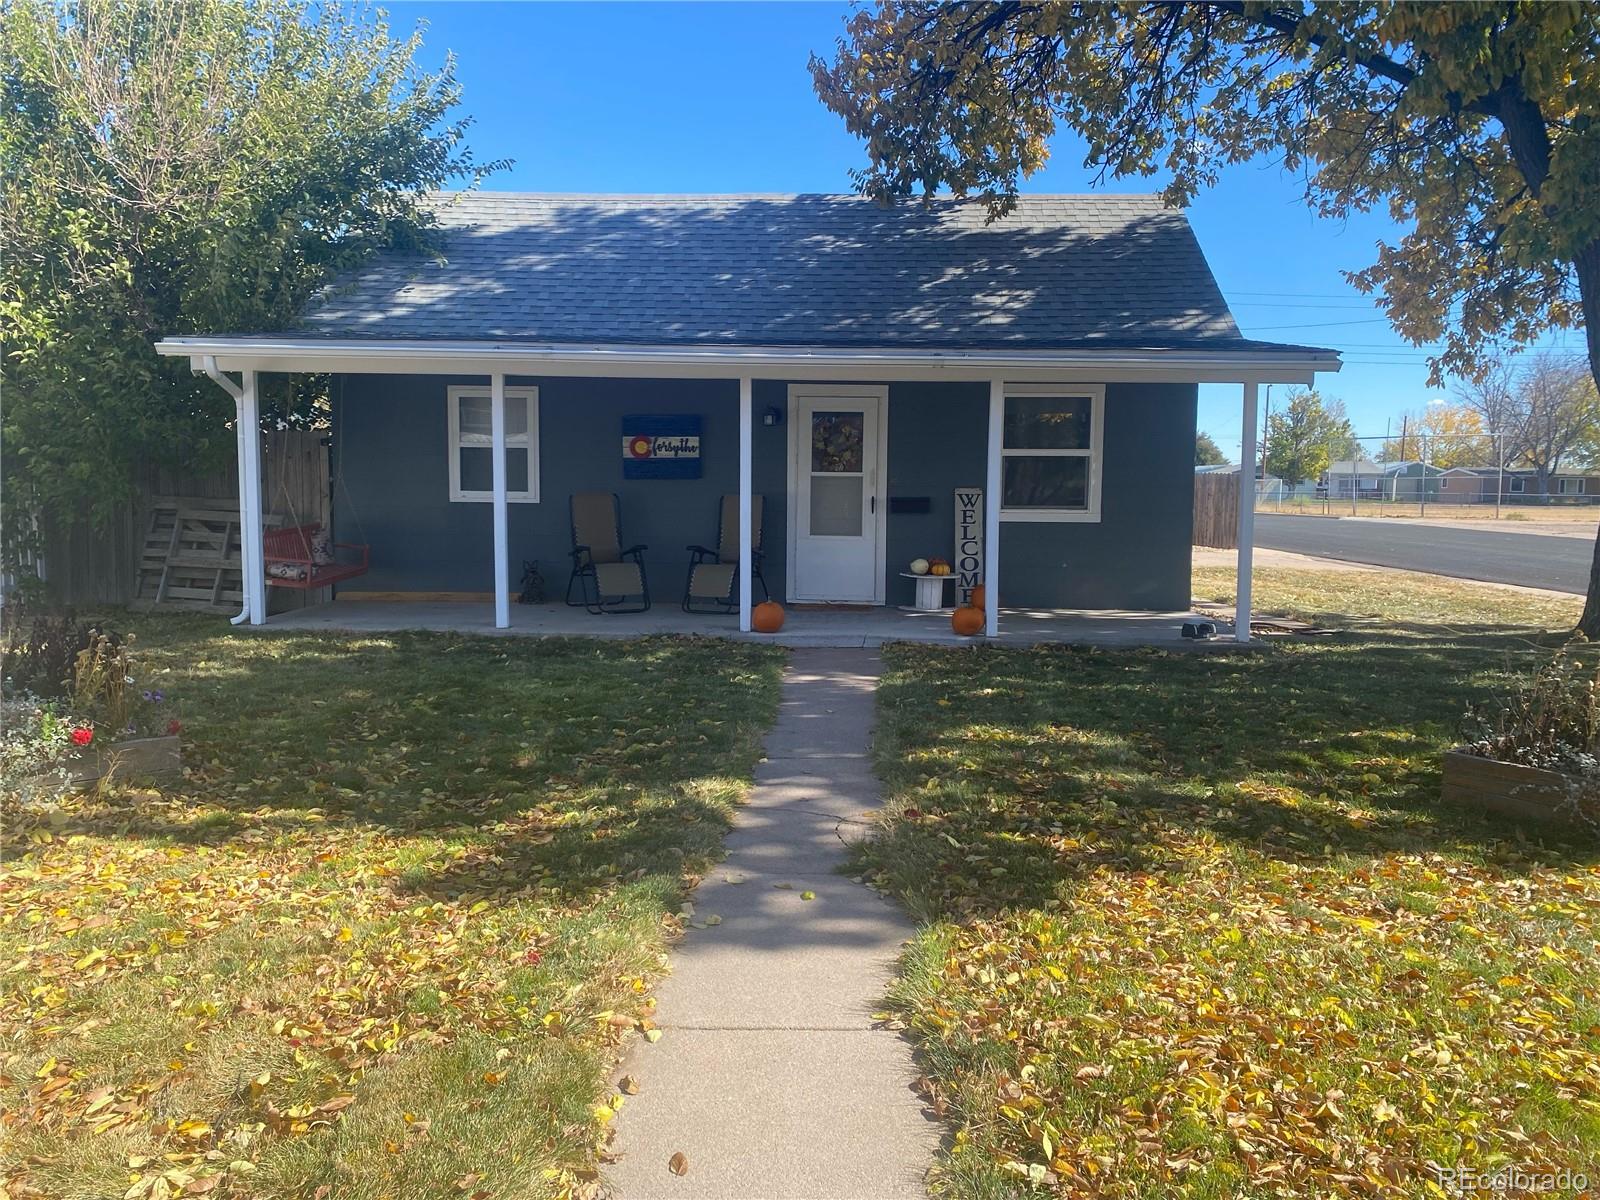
(769, 1077)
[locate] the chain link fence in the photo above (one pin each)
(1457, 476)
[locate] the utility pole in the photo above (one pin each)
(1499, 471)
(1422, 490)
(1394, 476)
(1266, 432)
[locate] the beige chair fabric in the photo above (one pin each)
(712, 581)
(619, 578)
(594, 524)
(716, 581)
(607, 576)
(728, 528)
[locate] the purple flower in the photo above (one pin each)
(148, 695)
(159, 696)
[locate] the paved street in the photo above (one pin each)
(1491, 555)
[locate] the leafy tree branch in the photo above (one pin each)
(177, 167)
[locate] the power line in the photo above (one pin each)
(1323, 324)
(1291, 304)
(1299, 295)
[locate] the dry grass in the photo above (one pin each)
(1355, 599)
(1565, 514)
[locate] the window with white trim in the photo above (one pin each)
(1569, 487)
(1517, 483)
(472, 444)
(1050, 453)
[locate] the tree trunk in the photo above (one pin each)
(1587, 266)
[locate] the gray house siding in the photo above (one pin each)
(1138, 554)
(392, 449)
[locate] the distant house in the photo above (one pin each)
(1409, 479)
(1404, 480)
(1361, 476)
(1266, 485)
(1519, 485)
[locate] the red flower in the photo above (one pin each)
(174, 726)
(82, 736)
(532, 958)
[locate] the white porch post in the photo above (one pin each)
(746, 426)
(991, 511)
(1247, 517)
(251, 551)
(497, 438)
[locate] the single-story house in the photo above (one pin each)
(1360, 476)
(1266, 485)
(1478, 485)
(1409, 479)
(865, 370)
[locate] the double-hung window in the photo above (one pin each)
(472, 444)
(1050, 456)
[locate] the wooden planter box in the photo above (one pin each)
(1511, 789)
(151, 759)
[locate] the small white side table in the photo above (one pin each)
(930, 590)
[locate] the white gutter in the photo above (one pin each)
(208, 365)
(402, 356)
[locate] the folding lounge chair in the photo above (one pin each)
(609, 578)
(714, 574)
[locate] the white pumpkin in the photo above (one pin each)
(919, 566)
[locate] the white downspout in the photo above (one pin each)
(208, 366)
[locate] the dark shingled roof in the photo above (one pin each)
(1060, 272)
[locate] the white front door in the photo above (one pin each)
(837, 442)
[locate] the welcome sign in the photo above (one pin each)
(661, 447)
(969, 542)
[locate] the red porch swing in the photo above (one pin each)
(302, 558)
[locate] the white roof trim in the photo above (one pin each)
(289, 354)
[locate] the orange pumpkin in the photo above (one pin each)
(978, 594)
(967, 620)
(767, 617)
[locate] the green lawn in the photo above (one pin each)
(1197, 925)
(383, 941)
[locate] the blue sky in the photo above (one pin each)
(697, 97)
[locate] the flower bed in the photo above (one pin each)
(73, 711)
(1508, 788)
(1535, 754)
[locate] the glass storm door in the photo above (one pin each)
(836, 498)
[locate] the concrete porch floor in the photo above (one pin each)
(869, 627)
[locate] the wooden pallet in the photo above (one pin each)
(191, 555)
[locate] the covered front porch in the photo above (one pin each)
(953, 417)
(864, 626)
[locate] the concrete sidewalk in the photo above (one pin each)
(770, 1078)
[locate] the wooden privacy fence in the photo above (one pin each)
(1216, 510)
(177, 542)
